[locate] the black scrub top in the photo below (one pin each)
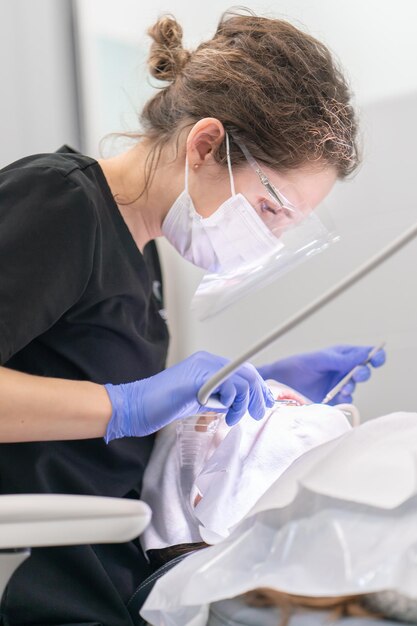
(78, 300)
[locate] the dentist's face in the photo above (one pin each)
(304, 188)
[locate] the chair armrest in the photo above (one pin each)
(56, 520)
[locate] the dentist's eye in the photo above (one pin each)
(267, 208)
(280, 212)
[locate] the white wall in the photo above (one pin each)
(38, 96)
(374, 34)
(375, 41)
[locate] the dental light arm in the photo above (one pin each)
(386, 253)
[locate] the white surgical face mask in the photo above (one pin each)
(233, 236)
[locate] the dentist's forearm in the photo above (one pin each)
(36, 408)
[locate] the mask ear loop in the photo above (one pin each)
(229, 166)
(186, 173)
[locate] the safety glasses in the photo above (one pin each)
(282, 212)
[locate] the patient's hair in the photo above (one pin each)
(158, 557)
(274, 86)
(341, 606)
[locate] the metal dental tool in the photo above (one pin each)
(335, 390)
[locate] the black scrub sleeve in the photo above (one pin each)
(47, 240)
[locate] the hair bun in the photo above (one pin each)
(167, 56)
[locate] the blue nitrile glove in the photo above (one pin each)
(314, 374)
(143, 407)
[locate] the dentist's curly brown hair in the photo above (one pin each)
(274, 86)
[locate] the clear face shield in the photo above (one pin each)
(258, 236)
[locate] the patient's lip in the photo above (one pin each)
(292, 398)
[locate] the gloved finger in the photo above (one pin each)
(355, 355)
(270, 399)
(226, 389)
(256, 401)
(257, 405)
(247, 380)
(268, 396)
(362, 373)
(379, 358)
(341, 399)
(349, 356)
(257, 384)
(226, 392)
(348, 389)
(241, 401)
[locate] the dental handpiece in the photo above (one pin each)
(335, 390)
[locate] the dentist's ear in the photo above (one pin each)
(203, 139)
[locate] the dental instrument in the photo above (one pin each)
(335, 390)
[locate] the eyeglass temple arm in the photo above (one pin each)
(263, 178)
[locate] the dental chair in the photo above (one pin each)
(32, 521)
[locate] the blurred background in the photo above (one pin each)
(75, 71)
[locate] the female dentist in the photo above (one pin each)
(82, 339)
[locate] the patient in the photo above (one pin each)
(238, 468)
(229, 468)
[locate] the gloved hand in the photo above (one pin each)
(143, 407)
(315, 373)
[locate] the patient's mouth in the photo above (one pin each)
(290, 398)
